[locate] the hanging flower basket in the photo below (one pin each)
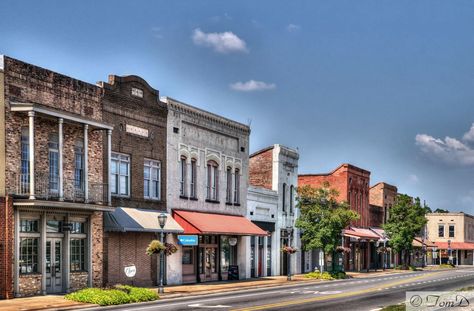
(383, 250)
(288, 250)
(343, 250)
(155, 247)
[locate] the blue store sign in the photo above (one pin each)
(188, 240)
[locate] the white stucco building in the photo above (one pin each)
(275, 169)
(207, 180)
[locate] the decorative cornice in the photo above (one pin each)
(192, 111)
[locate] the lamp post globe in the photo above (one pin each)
(162, 220)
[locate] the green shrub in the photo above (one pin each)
(326, 275)
(446, 265)
(413, 268)
(121, 294)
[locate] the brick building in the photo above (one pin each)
(273, 171)
(382, 197)
(352, 184)
(137, 178)
(52, 189)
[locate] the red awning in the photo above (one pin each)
(208, 223)
(361, 233)
(456, 245)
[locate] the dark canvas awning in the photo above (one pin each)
(125, 219)
(265, 225)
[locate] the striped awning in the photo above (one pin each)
(125, 219)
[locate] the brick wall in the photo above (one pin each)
(122, 109)
(78, 280)
(125, 249)
(384, 196)
(376, 214)
(97, 248)
(29, 285)
(261, 169)
(352, 184)
(6, 248)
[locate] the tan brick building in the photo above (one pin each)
(453, 234)
(51, 181)
(382, 197)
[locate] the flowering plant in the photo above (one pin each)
(288, 250)
(383, 249)
(155, 247)
(342, 249)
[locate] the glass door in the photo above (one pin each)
(54, 265)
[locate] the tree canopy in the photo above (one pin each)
(407, 220)
(322, 217)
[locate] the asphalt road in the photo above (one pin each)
(353, 294)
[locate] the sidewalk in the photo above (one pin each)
(57, 302)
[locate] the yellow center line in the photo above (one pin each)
(332, 296)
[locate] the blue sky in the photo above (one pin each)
(385, 85)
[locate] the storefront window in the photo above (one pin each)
(252, 256)
(225, 254)
(269, 255)
(201, 260)
(187, 256)
(28, 262)
(78, 248)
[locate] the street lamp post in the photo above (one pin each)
(449, 252)
(288, 254)
(162, 221)
(384, 257)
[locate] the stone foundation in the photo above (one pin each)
(29, 285)
(78, 280)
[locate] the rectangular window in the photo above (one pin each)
(137, 92)
(237, 187)
(28, 262)
(78, 247)
(451, 231)
(441, 231)
(77, 227)
(53, 157)
(182, 177)
(25, 164)
(79, 167)
(152, 176)
(193, 179)
(53, 226)
(120, 174)
(228, 197)
(212, 181)
(29, 226)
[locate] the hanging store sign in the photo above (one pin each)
(130, 271)
(188, 240)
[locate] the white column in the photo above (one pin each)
(86, 163)
(109, 159)
(31, 134)
(43, 253)
(61, 179)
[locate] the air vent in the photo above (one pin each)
(175, 130)
(242, 149)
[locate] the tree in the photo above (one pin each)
(407, 219)
(322, 218)
(440, 210)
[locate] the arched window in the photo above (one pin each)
(291, 198)
(182, 177)
(228, 196)
(53, 156)
(284, 198)
(237, 186)
(212, 181)
(193, 178)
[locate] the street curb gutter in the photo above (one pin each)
(181, 297)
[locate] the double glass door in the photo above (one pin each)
(54, 269)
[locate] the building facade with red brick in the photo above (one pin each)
(53, 192)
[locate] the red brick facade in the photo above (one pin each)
(260, 168)
(382, 196)
(351, 182)
(6, 248)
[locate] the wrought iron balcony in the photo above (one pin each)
(47, 188)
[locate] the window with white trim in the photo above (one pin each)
(212, 181)
(237, 186)
(152, 177)
(120, 174)
(182, 177)
(193, 185)
(53, 157)
(228, 196)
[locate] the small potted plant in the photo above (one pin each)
(288, 250)
(343, 250)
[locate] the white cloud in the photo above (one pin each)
(412, 178)
(222, 42)
(252, 85)
(293, 27)
(469, 135)
(156, 32)
(449, 150)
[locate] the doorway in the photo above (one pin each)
(54, 269)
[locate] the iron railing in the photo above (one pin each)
(47, 188)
